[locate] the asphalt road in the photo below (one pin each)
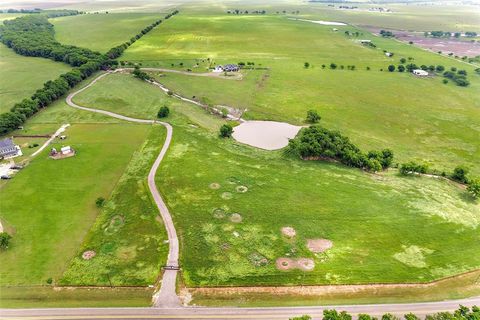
(420, 309)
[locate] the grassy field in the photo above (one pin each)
(122, 259)
(100, 32)
(49, 297)
(51, 199)
(385, 228)
(21, 76)
(420, 119)
(415, 17)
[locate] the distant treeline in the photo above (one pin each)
(34, 36)
(448, 34)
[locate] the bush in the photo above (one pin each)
(473, 188)
(4, 240)
(401, 68)
(460, 174)
(100, 202)
(226, 131)
(163, 112)
(412, 167)
(333, 66)
(313, 116)
(445, 81)
(391, 68)
(49, 281)
(439, 68)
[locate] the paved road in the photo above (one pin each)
(420, 309)
(166, 296)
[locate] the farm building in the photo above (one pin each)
(388, 54)
(8, 149)
(65, 152)
(420, 72)
(365, 41)
(227, 68)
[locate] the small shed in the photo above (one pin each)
(388, 54)
(66, 150)
(365, 41)
(420, 72)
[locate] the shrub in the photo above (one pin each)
(460, 174)
(49, 281)
(163, 112)
(445, 81)
(333, 66)
(306, 65)
(226, 131)
(412, 167)
(439, 68)
(473, 188)
(391, 68)
(4, 240)
(313, 116)
(100, 202)
(401, 68)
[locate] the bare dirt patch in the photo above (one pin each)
(227, 195)
(236, 218)
(319, 245)
(289, 232)
(219, 213)
(268, 135)
(305, 264)
(89, 254)
(241, 189)
(215, 185)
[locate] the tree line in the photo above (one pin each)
(34, 36)
(316, 142)
(462, 313)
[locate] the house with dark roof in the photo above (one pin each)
(227, 68)
(8, 149)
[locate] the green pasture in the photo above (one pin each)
(50, 204)
(58, 297)
(128, 237)
(420, 119)
(22, 76)
(100, 32)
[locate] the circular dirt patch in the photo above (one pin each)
(236, 218)
(219, 213)
(115, 224)
(215, 185)
(319, 245)
(89, 254)
(289, 232)
(305, 264)
(285, 263)
(227, 195)
(241, 189)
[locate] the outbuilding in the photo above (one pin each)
(420, 72)
(8, 149)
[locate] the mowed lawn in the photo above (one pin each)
(51, 203)
(22, 76)
(420, 119)
(100, 32)
(384, 227)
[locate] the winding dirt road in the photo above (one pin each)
(166, 296)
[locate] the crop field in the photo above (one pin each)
(21, 76)
(100, 32)
(421, 119)
(52, 198)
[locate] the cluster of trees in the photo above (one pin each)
(334, 66)
(317, 142)
(386, 34)
(237, 11)
(457, 76)
(163, 112)
(33, 36)
(353, 33)
(462, 313)
(412, 167)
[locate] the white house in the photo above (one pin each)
(365, 41)
(218, 69)
(420, 72)
(388, 54)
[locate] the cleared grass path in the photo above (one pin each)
(166, 296)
